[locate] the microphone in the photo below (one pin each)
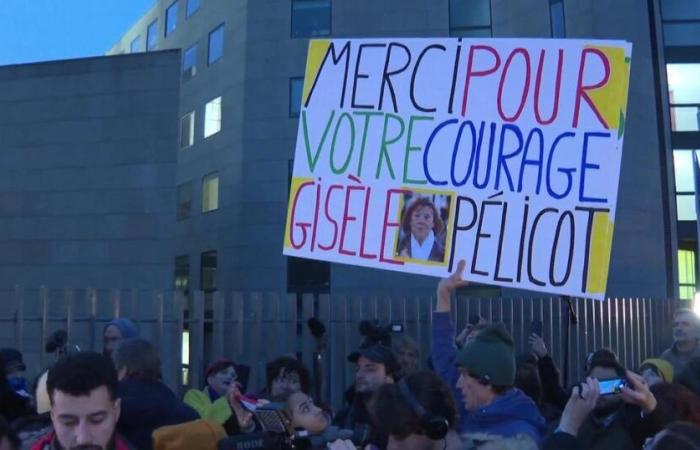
(252, 441)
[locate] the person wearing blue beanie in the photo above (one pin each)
(115, 331)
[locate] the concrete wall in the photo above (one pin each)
(87, 172)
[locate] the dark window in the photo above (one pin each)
(182, 272)
(681, 22)
(208, 271)
(189, 62)
(680, 9)
(311, 18)
(216, 44)
(556, 17)
(152, 36)
(171, 18)
(184, 200)
(135, 44)
(296, 86)
(470, 18)
(187, 130)
(192, 7)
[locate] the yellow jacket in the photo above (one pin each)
(218, 411)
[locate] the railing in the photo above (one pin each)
(253, 328)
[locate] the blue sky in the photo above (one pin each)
(42, 30)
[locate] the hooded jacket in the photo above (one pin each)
(146, 406)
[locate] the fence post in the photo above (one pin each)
(160, 313)
(44, 299)
(179, 332)
(116, 303)
(68, 294)
(92, 301)
(218, 324)
(19, 317)
(197, 340)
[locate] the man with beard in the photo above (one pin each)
(85, 409)
(620, 420)
(376, 366)
(686, 340)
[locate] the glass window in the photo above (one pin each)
(683, 83)
(208, 271)
(682, 34)
(470, 18)
(171, 18)
(683, 170)
(187, 130)
(685, 118)
(192, 7)
(556, 16)
(184, 200)
(212, 117)
(311, 18)
(182, 272)
(296, 86)
(135, 45)
(152, 36)
(210, 192)
(680, 9)
(685, 207)
(189, 62)
(686, 274)
(216, 44)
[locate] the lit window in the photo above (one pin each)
(189, 62)
(184, 200)
(135, 45)
(296, 85)
(470, 18)
(182, 272)
(152, 36)
(216, 44)
(311, 18)
(171, 18)
(684, 96)
(212, 117)
(187, 130)
(210, 192)
(686, 274)
(192, 7)
(685, 185)
(556, 17)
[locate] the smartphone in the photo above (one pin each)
(536, 327)
(397, 328)
(612, 386)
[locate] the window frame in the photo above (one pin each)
(189, 13)
(310, 36)
(221, 27)
(453, 28)
(136, 40)
(193, 116)
(202, 256)
(182, 213)
(221, 117)
(563, 17)
(154, 23)
(292, 113)
(205, 178)
(166, 31)
(191, 73)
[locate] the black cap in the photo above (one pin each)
(12, 359)
(380, 354)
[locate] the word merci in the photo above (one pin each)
(485, 156)
(365, 86)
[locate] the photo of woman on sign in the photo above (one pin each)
(422, 234)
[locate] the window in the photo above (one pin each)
(686, 274)
(556, 17)
(135, 45)
(182, 272)
(152, 36)
(187, 130)
(470, 18)
(189, 62)
(192, 7)
(685, 186)
(184, 200)
(212, 117)
(311, 18)
(216, 45)
(296, 86)
(210, 192)
(684, 96)
(208, 271)
(681, 22)
(171, 18)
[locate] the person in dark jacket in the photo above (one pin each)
(12, 405)
(146, 403)
(116, 330)
(8, 437)
(482, 374)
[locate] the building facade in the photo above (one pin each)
(241, 74)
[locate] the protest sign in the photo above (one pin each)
(412, 154)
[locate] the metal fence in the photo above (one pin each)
(253, 328)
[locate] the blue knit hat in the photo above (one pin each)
(126, 327)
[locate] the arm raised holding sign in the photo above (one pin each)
(444, 350)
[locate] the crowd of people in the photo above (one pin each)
(472, 392)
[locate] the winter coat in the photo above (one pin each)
(355, 417)
(627, 429)
(680, 359)
(49, 442)
(146, 406)
(218, 410)
(29, 429)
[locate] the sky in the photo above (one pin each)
(43, 30)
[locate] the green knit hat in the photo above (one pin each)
(491, 355)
